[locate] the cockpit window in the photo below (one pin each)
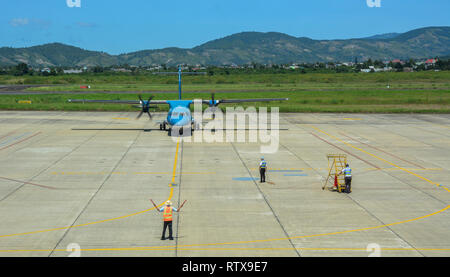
(175, 114)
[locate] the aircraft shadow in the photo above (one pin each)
(246, 129)
(116, 129)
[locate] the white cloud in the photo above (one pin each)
(34, 22)
(15, 22)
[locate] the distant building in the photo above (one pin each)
(72, 71)
(121, 70)
(398, 61)
(431, 61)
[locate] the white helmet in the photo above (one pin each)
(168, 203)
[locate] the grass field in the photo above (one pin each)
(418, 92)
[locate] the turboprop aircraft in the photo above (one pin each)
(179, 114)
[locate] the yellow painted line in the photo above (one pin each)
(229, 249)
(349, 118)
(317, 235)
(121, 118)
(381, 159)
(105, 220)
(175, 165)
(243, 242)
(267, 240)
(412, 169)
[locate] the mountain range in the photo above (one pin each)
(247, 47)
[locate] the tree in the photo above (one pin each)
(398, 67)
(378, 63)
(97, 69)
(21, 69)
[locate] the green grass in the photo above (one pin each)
(418, 92)
(352, 101)
(304, 80)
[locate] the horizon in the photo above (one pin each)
(118, 27)
(99, 50)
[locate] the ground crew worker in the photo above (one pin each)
(262, 170)
(347, 171)
(167, 216)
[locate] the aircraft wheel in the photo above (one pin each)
(160, 126)
(181, 131)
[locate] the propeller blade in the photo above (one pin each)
(148, 106)
(213, 106)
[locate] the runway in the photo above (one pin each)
(70, 179)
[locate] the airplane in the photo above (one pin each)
(179, 115)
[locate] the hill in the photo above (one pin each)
(55, 54)
(246, 47)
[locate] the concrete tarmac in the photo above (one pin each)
(83, 180)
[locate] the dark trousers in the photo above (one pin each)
(348, 184)
(262, 173)
(167, 224)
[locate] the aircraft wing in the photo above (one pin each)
(131, 102)
(225, 101)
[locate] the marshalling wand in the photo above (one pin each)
(182, 205)
(156, 207)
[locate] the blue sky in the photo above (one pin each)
(117, 26)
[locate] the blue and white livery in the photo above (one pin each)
(179, 115)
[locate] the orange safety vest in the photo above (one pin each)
(167, 214)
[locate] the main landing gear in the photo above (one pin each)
(162, 126)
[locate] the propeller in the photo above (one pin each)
(213, 105)
(145, 107)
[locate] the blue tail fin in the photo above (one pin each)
(179, 82)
